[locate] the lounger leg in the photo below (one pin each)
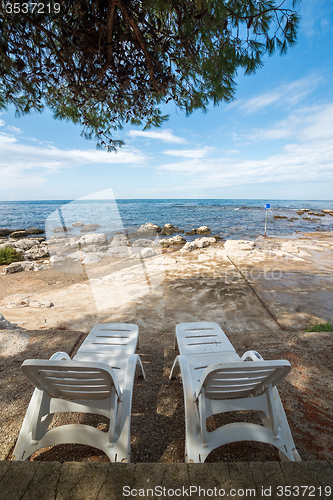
(33, 427)
(121, 451)
(286, 446)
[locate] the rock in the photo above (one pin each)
(319, 214)
(93, 239)
(175, 240)
(18, 304)
(89, 227)
(6, 325)
(37, 252)
(120, 240)
(26, 243)
(43, 304)
(280, 217)
(30, 302)
(72, 243)
(95, 248)
(62, 230)
(169, 229)
(18, 234)
(14, 267)
(326, 211)
(91, 258)
(164, 242)
(149, 228)
(10, 244)
(78, 224)
(119, 252)
(189, 247)
(34, 230)
(197, 243)
(143, 242)
(5, 232)
(203, 242)
(199, 230)
(32, 266)
(203, 230)
(143, 253)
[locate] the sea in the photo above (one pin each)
(231, 219)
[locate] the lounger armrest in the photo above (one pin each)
(60, 356)
(253, 355)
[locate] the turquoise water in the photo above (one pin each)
(230, 218)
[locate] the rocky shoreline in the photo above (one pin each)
(91, 247)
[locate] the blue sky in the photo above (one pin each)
(275, 141)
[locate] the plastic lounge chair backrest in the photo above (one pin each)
(72, 380)
(243, 379)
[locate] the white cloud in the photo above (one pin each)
(163, 135)
(188, 153)
(282, 95)
(24, 165)
(13, 129)
(305, 124)
(2, 123)
(25, 157)
(308, 158)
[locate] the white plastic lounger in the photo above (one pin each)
(99, 379)
(216, 380)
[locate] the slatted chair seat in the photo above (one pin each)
(220, 381)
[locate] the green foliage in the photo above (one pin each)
(9, 255)
(321, 327)
(104, 63)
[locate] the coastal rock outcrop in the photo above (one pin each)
(77, 224)
(6, 325)
(149, 228)
(14, 267)
(139, 252)
(93, 239)
(34, 230)
(170, 229)
(199, 230)
(92, 258)
(119, 251)
(37, 252)
(26, 243)
(175, 240)
(143, 242)
(18, 234)
(89, 227)
(120, 240)
(61, 230)
(197, 243)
